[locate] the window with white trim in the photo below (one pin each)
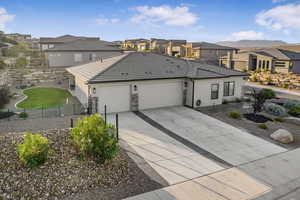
(78, 57)
(229, 88)
(214, 91)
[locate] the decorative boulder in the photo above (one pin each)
(283, 136)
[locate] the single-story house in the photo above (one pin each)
(272, 59)
(79, 52)
(137, 81)
(51, 42)
(176, 48)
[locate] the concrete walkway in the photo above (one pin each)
(231, 184)
(172, 160)
(223, 140)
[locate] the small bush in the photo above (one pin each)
(238, 100)
(235, 114)
(291, 103)
(34, 150)
(278, 119)
(295, 111)
(263, 126)
(225, 101)
(95, 138)
(275, 109)
(268, 93)
(23, 115)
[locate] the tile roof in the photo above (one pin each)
(279, 54)
(148, 66)
(65, 38)
(206, 45)
(86, 45)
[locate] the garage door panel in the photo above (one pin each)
(160, 95)
(115, 97)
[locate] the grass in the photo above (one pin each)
(44, 98)
(279, 119)
(263, 126)
(235, 114)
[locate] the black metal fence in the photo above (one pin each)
(55, 111)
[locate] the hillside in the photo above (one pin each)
(252, 43)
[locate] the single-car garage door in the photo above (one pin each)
(116, 98)
(160, 94)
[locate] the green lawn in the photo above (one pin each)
(44, 98)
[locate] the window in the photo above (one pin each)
(78, 57)
(264, 64)
(92, 56)
(259, 64)
(268, 64)
(214, 91)
(229, 88)
(50, 46)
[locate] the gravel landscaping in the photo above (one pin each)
(221, 112)
(66, 174)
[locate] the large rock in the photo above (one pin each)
(282, 136)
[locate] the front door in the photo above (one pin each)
(134, 98)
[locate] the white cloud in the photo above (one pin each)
(5, 18)
(281, 17)
(178, 16)
(246, 35)
(278, 1)
(107, 20)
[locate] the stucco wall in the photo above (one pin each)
(81, 91)
(203, 90)
(66, 59)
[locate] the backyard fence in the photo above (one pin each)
(56, 111)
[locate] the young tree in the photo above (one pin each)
(260, 97)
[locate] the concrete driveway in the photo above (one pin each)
(172, 160)
(222, 140)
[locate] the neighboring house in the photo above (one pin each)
(143, 46)
(79, 52)
(158, 45)
(176, 48)
(132, 43)
(18, 36)
(2, 46)
(138, 81)
(272, 59)
(47, 43)
(207, 52)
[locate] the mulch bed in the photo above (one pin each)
(66, 174)
(257, 118)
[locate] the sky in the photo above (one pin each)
(193, 20)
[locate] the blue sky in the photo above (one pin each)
(194, 20)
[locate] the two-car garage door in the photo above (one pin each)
(151, 94)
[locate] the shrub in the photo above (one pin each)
(34, 150)
(279, 119)
(235, 114)
(225, 101)
(268, 93)
(93, 137)
(238, 100)
(275, 109)
(291, 103)
(23, 115)
(263, 126)
(4, 95)
(295, 111)
(21, 62)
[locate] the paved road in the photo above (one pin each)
(282, 93)
(223, 140)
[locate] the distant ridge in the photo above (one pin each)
(252, 43)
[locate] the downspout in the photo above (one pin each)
(193, 93)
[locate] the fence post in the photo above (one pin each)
(105, 114)
(8, 114)
(117, 125)
(42, 112)
(73, 109)
(72, 123)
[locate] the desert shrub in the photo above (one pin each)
(34, 150)
(268, 93)
(285, 85)
(235, 114)
(295, 111)
(291, 103)
(263, 126)
(94, 138)
(21, 62)
(278, 119)
(275, 109)
(23, 115)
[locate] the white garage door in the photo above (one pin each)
(116, 98)
(163, 94)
